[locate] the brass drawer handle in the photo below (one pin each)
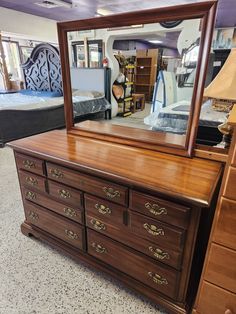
(152, 229)
(99, 248)
(31, 181)
(158, 253)
(28, 164)
(33, 215)
(155, 209)
(56, 173)
(30, 195)
(158, 279)
(110, 192)
(64, 193)
(69, 212)
(102, 209)
(71, 234)
(98, 224)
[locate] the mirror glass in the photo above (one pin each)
(139, 76)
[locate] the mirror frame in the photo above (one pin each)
(204, 10)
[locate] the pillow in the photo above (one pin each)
(92, 94)
(40, 93)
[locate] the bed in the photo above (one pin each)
(40, 107)
(174, 119)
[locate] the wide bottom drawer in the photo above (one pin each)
(161, 278)
(64, 229)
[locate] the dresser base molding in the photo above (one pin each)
(80, 256)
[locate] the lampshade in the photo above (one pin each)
(224, 84)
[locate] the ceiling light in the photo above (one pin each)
(50, 4)
(104, 12)
(155, 41)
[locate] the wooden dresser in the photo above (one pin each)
(217, 290)
(141, 216)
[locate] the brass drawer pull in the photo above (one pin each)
(28, 164)
(158, 279)
(110, 192)
(69, 212)
(64, 193)
(102, 209)
(155, 209)
(158, 253)
(152, 229)
(56, 173)
(31, 181)
(33, 215)
(71, 234)
(30, 195)
(99, 248)
(98, 224)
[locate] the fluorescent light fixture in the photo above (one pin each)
(125, 27)
(155, 41)
(104, 12)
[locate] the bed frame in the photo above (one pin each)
(42, 72)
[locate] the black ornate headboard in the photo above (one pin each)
(42, 70)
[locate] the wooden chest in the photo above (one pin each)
(146, 228)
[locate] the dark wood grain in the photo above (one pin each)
(192, 181)
(65, 194)
(105, 189)
(32, 180)
(64, 229)
(29, 163)
(124, 235)
(71, 212)
(156, 231)
(132, 263)
(160, 209)
(104, 210)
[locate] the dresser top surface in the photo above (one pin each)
(193, 180)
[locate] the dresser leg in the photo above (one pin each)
(27, 230)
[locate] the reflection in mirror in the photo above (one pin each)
(141, 76)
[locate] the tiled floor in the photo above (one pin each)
(36, 279)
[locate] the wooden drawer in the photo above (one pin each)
(214, 300)
(70, 212)
(60, 227)
(105, 210)
(105, 189)
(32, 180)
(159, 277)
(225, 231)
(221, 268)
(162, 210)
(29, 163)
(230, 186)
(155, 231)
(65, 194)
(123, 234)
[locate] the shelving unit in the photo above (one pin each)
(127, 101)
(146, 71)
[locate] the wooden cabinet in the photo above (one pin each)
(217, 289)
(141, 230)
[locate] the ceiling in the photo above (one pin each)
(226, 16)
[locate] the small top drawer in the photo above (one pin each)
(29, 163)
(105, 189)
(162, 210)
(32, 180)
(105, 210)
(156, 231)
(65, 194)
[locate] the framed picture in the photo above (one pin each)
(223, 38)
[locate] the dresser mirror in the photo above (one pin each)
(141, 71)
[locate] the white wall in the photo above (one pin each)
(28, 26)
